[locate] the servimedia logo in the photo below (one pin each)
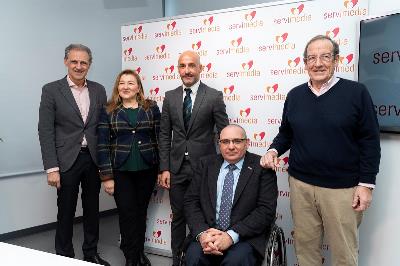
(230, 94)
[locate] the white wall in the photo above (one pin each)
(34, 35)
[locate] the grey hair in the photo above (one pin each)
(79, 47)
(322, 37)
(237, 126)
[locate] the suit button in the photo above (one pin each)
(133, 131)
(139, 142)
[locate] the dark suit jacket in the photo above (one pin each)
(116, 135)
(199, 140)
(61, 127)
(254, 203)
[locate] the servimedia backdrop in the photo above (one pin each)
(252, 54)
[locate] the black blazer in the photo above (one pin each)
(254, 203)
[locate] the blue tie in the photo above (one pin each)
(187, 108)
(224, 216)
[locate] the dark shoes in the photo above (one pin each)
(97, 260)
(143, 260)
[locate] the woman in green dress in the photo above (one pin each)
(128, 159)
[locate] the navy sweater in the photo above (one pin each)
(333, 139)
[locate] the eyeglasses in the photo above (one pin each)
(235, 142)
(311, 59)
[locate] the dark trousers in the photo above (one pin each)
(179, 184)
(240, 254)
(85, 173)
(132, 192)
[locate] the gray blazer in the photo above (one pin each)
(199, 140)
(61, 127)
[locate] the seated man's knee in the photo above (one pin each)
(194, 254)
(241, 254)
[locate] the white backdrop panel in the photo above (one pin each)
(252, 54)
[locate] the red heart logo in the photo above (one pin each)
(239, 41)
(300, 8)
(284, 36)
(157, 234)
(250, 16)
(259, 136)
(138, 29)
(349, 58)
(208, 66)
(229, 90)
(196, 46)
(250, 64)
(171, 26)
(294, 63)
(154, 91)
(245, 112)
(335, 31)
(161, 48)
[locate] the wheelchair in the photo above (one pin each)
(275, 251)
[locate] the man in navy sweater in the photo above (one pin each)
(331, 129)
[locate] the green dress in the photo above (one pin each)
(135, 161)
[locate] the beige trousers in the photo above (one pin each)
(319, 212)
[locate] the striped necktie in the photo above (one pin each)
(187, 108)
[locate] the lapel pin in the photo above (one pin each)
(249, 167)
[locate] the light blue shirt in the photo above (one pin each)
(220, 184)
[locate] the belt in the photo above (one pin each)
(84, 149)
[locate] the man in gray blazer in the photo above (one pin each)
(189, 116)
(68, 118)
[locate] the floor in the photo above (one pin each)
(108, 246)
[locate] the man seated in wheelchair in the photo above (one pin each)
(230, 205)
